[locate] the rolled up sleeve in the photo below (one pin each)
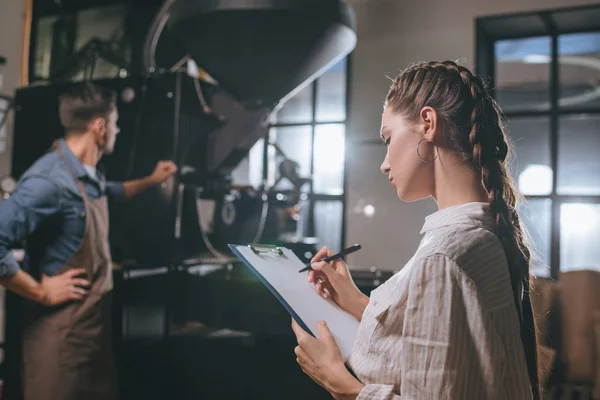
(378, 392)
(35, 199)
(115, 190)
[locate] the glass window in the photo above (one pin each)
(250, 170)
(331, 94)
(579, 68)
(296, 144)
(58, 38)
(4, 114)
(297, 110)
(579, 231)
(530, 165)
(523, 73)
(328, 223)
(329, 154)
(536, 215)
(579, 155)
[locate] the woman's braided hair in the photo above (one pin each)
(474, 129)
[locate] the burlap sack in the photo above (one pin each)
(579, 298)
(543, 294)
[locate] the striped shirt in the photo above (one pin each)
(445, 326)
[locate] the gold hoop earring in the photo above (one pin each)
(436, 151)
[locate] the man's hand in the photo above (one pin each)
(162, 171)
(64, 287)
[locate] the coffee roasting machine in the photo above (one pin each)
(197, 82)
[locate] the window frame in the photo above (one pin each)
(312, 196)
(491, 29)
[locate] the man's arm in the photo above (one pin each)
(129, 189)
(34, 200)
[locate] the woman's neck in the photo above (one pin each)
(85, 148)
(456, 183)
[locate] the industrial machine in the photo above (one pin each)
(209, 75)
(197, 82)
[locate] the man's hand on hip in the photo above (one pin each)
(64, 287)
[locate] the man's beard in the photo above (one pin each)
(107, 147)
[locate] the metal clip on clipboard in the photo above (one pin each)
(265, 248)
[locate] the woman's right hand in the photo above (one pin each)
(333, 280)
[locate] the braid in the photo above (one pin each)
(489, 153)
(475, 131)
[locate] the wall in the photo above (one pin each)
(12, 13)
(12, 16)
(392, 34)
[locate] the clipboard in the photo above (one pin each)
(277, 268)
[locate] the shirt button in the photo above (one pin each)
(82, 214)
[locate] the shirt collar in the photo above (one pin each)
(72, 160)
(475, 214)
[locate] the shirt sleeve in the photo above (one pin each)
(446, 348)
(115, 190)
(445, 344)
(35, 199)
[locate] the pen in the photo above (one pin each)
(341, 254)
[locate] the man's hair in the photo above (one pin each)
(83, 103)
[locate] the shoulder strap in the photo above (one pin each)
(71, 170)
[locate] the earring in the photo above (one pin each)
(419, 154)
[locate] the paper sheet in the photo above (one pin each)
(280, 274)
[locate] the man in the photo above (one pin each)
(60, 208)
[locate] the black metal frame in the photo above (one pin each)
(487, 36)
(313, 123)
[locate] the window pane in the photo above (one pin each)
(328, 224)
(331, 94)
(530, 165)
(296, 110)
(579, 66)
(579, 155)
(250, 170)
(4, 114)
(536, 215)
(329, 159)
(295, 142)
(107, 24)
(58, 38)
(523, 73)
(579, 231)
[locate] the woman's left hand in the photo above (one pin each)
(321, 359)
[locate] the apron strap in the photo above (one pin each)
(82, 190)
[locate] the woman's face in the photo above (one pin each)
(409, 175)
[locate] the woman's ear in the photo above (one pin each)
(429, 122)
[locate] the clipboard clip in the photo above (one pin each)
(265, 248)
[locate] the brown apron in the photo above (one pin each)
(67, 351)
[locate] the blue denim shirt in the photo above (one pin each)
(47, 212)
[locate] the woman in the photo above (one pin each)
(456, 321)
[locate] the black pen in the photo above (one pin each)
(341, 254)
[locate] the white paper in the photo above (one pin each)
(281, 271)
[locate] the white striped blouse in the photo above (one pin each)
(445, 326)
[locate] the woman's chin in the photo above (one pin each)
(409, 197)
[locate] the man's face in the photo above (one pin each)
(107, 144)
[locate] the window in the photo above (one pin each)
(81, 44)
(544, 69)
(309, 129)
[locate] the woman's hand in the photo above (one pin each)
(321, 360)
(333, 280)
